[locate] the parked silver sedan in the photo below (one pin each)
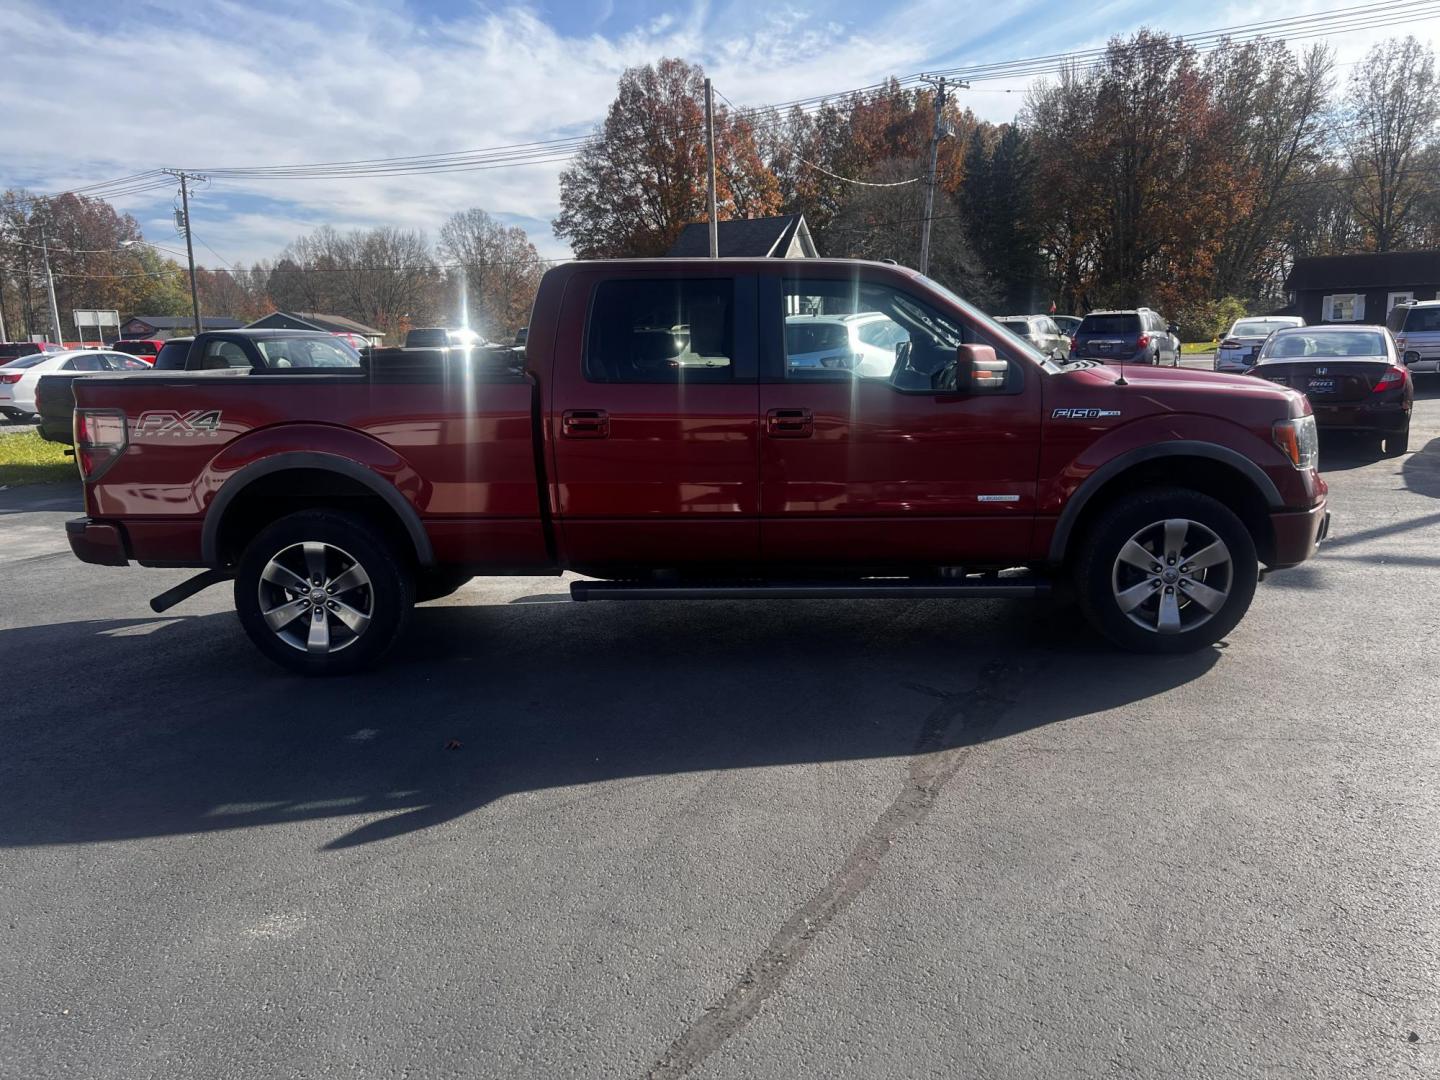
(1241, 345)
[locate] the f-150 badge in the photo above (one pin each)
(1083, 414)
(167, 423)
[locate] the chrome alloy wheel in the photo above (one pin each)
(1172, 576)
(316, 598)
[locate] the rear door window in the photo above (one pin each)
(662, 330)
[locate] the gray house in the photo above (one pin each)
(164, 327)
(311, 320)
(1362, 288)
(783, 237)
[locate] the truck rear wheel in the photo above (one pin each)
(1166, 571)
(323, 593)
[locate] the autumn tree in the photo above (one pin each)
(1391, 114)
(96, 259)
(1130, 186)
(997, 203)
(1273, 107)
(500, 266)
(382, 277)
(239, 291)
(881, 220)
(642, 178)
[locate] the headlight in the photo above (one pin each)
(1298, 440)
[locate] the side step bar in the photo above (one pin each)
(1024, 588)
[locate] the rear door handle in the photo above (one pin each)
(789, 423)
(585, 424)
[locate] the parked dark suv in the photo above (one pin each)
(1133, 336)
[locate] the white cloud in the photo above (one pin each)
(230, 84)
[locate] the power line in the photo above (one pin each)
(861, 183)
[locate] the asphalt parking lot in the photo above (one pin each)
(870, 839)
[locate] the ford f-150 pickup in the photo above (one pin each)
(655, 438)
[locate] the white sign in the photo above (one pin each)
(96, 318)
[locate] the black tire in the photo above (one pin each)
(1097, 571)
(1397, 442)
(386, 597)
(433, 584)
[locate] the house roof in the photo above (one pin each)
(334, 324)
(1371, 270)
(744, 238)
(176, 322)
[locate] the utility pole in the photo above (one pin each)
(190, 249)
(940, 131)
(710, 168)
(50, 285)
(2, 307)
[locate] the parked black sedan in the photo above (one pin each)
(1352, 376)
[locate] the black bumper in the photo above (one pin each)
(97, 542)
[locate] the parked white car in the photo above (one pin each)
(863, 342)
(1241, 345)
(19, 378)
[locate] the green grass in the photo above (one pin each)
(29, 459)
(1190, 348)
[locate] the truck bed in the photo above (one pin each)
(458, 445)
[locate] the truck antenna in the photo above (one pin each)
(1121, 381)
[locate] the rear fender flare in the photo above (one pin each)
(308, 459)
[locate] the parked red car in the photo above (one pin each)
(13, 350)
(145, 348)
(654, 435)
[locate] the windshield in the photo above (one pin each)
(1330, 344)
(1257, 327)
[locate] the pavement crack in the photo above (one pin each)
(957, 722)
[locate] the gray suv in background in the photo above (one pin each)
(1415, 325)
(1040, 331)
(1131, 336)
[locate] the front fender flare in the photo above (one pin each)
(1097, 480)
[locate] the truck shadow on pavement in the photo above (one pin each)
(178, 727)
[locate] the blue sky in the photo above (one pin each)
(213, 83)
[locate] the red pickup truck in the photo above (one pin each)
(658, 433)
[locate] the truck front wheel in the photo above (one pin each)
(1166, 571)
(322, 592)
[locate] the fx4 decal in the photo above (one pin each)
(166, 423)
(1082, 414)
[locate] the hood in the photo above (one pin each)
(1148, 390)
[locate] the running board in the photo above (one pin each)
(1016, 588)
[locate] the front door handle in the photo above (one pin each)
(789, 423)
(585, 424)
